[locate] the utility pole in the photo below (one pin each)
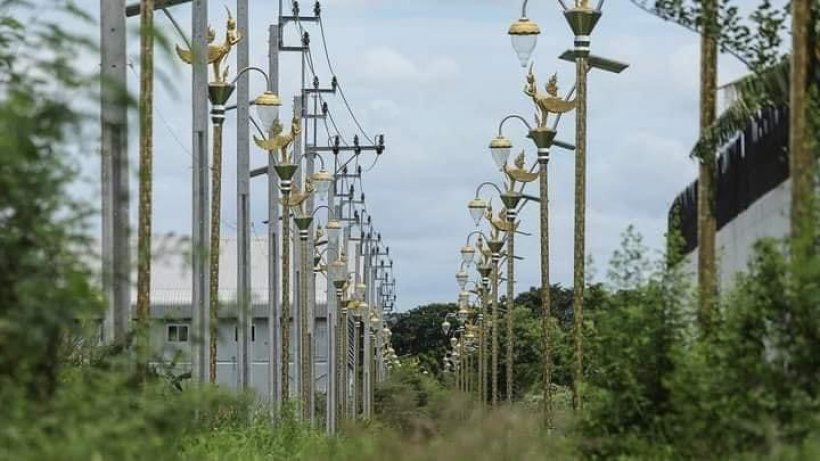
(274, 327)
(331, 303)
(296, 342)
(116, 255)
(367, 348)
(200, 171)
(243, 218)
(309, 274)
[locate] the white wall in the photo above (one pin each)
(767, 217)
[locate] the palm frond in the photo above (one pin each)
(768, 88)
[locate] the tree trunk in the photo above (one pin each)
(146, 107)
(707, 224)
(801, 162)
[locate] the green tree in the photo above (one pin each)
(633, 339)
(418, 333)
(44, 283)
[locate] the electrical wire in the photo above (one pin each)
(341, 90)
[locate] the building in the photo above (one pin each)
(171, 312)
(753, 196)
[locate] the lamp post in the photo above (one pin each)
(582, 19)
(506, 222)
(338, 270)
(543, 136)
(285, 169)
(303, 223)
(219, 91)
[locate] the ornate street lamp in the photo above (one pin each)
(461, 278)
(467, 254)
(524, 34)
(582, 18)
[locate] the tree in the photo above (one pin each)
(44, 284)
(418, 333)
(720, 26)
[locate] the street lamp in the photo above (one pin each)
(582, 19)
(461, 278)
(524, 34)
(219, 91)
(500, 147)
(467, 254)
(285, 169)
(476, 208)
(445, 327)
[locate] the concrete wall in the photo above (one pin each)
(766, 217)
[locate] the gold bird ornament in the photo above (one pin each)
(216, 52)
(519, 172)
(546, 103)
(499, 221)
(278, 140)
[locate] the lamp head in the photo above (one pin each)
(267, 108)
(477, 207)
(524, 34)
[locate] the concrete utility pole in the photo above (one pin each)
(200, 169)
(116, 257)
(309, 279)
(274, 338)
(296, 342)
(366, 346)
(243, 218)
(332, 255)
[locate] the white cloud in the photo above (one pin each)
(387, 65)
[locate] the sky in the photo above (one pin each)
(436, 78)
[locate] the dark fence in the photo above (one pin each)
(749, 167)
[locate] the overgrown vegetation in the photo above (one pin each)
(657, 388)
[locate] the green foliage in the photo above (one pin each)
(418, 333)
(630, 349)
(44, 285)
(755, 40)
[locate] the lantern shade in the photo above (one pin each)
(463, 313)
(524, 34)
(360, 289)
(467, 255)
(333, 229)
(322, 180)
(500, 148)
(267, 108)
(445, 327)
(338, 270)
(461, 278)
(477, 207)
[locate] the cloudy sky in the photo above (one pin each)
(436, 77)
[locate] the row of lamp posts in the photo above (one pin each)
(503, 226)
(287, 155)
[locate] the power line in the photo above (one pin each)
(341, 91)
